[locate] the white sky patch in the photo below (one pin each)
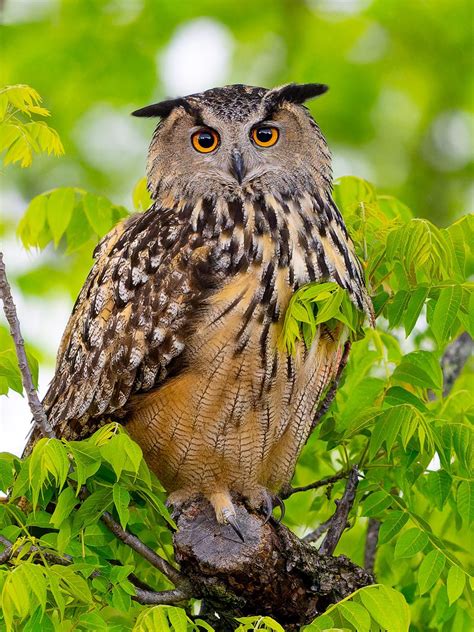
(349, 161)
(198, 57)
(339, 7)
(16, 11)
(371, 45)
(451, 139)
(111, 139)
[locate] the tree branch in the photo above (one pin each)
(148, 597)
(318, 532)
(9, 309)
(371, 541)
(289, 491)
(143, 596)
(339, 519)
(148, 554)
(454, 359)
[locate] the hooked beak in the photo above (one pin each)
(237, 167)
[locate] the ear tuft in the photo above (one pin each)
(162, 109)
(295, 93)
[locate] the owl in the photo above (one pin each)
(175, 332)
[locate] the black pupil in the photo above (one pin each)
(264, 134)
(206, 140)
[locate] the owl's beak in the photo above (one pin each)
(237, 168)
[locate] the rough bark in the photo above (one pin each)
(271, 573)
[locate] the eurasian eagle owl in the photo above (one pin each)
(175, 330)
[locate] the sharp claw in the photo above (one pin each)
(281, 504)
(230, 519)
(269, 503)
(268, 507)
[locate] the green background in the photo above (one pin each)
(399, 111)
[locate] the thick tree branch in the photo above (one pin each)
(339, 519)
(9, 309)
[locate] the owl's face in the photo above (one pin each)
(235, 140)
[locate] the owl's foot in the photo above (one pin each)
(225, 512)
(270, 501)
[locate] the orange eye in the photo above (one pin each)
(265, 136)
(205, 140)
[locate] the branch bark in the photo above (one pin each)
(371, 541)
(272, 572)
(11, 315)
(339, 519)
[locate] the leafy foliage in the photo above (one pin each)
(20, 135)
(413, 445)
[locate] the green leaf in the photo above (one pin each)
(356, 615)
(411, 542)
(121, 501)
(92, 508)
(60, 206)
(438, 487)
(376, 504)
(98, 211)
(388, 427)
(392, 525)
(387, 606)
(66, 503)
(445, 312)
(420, 368)
(415, 305)
(86, 460)
(455, 583)
(141, 198)
(430, 570)
(465, 501)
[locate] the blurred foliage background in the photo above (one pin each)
(399, 112)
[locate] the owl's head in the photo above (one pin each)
(237, 140)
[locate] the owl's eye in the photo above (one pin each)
(264, 136)
(205, 140)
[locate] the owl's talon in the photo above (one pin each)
(267, 507)
(281, 504)
(270, 501)
(231, 520)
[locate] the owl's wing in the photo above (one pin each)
(128, 326)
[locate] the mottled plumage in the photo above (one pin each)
(175, 330)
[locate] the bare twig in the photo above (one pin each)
(318, 532)
(143, 595)
(9, 308)
(371, 541)
(64, 560)
(142, 549)
(289, 491)
(339, 519)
